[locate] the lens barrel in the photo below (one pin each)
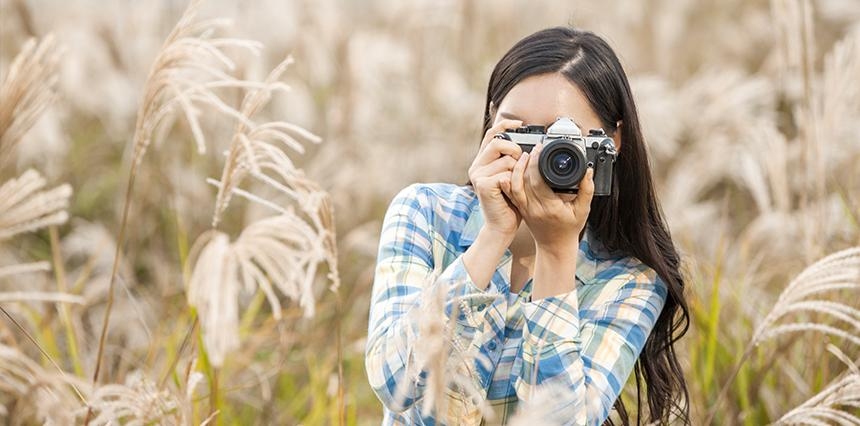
(562, 163)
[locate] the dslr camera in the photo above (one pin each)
(567, 154)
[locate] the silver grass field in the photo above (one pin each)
(191, 196)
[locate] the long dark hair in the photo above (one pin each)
(630, 219)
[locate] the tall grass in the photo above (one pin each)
(198, 272)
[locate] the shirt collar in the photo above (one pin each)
(591, 250)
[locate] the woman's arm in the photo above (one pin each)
(482, 257)
(591, 353)
(404, 272)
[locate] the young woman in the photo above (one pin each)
(578, 290)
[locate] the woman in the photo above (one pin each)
(571, 290)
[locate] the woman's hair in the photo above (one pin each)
(630, 219)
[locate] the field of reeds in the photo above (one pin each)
(191, 195)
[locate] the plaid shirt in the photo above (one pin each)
(586, 340)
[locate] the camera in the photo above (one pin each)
(567, 154)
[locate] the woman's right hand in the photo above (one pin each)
(490, 172)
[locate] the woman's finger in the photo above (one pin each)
(499, 180)
(502, 164)
(505, 184)
(491, 184)
(496, 149)
(517, 183)
(499, 127)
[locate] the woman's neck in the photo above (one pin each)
(523, 245)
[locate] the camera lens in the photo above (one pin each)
(562, 163)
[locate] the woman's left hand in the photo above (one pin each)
(555, 220)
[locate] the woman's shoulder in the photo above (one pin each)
(444, 207)
(437, 198)
(610, 262)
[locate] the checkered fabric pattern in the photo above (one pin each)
(586, 340)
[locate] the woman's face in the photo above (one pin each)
(540, 99)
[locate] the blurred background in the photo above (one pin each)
(750, 112)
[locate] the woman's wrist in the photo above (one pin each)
(501, 235)
(496, 238)
(564, 249)
(555, 272)
(482, 257)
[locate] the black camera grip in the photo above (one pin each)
(603, 174)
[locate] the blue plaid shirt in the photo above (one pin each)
(586, 340)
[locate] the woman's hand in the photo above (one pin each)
(490, 172)
(555, 220)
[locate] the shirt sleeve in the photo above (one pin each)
(590, 353)
(405, 274)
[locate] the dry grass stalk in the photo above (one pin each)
(435, 350)
(38, 395)
(27, 89)
(253, 143)
(839, 271)
(189, 66)
(24, 268)
(549, 404)
(797, 44)
(280, 252)
(40, 296)
(25, 206)
(138, 402)
(185, 74)
(315, 203)
(824, 407)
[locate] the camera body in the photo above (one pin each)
(567, 154)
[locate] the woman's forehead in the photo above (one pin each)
(540, 99)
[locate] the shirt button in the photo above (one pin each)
(492, 345)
